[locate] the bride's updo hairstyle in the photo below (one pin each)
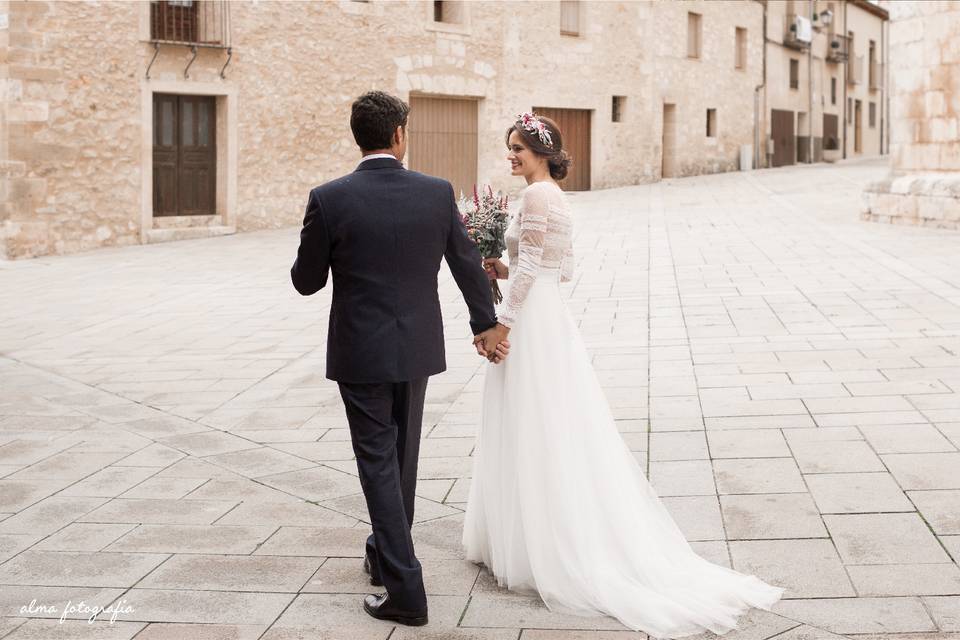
(542, 136)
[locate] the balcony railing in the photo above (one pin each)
(200, 23)
(876, 75)
(855, 70)
(838, 48)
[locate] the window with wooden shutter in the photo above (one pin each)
(741, 52)
(693, 35)
(794, 74)
(570, 17)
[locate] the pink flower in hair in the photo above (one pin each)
(533, 124)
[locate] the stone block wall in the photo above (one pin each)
(711, 81)
(923, 187)
(75, 147)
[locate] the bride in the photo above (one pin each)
(558, 504)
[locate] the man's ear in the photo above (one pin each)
(399, 135)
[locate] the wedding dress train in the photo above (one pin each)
(558, 504)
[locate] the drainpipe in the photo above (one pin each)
(886, 93)
(846, 70)
(810, 87)
(758, 133)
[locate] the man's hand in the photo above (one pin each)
(492, 344)
(499, 354)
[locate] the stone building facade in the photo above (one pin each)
(923, 186)
(824, 96)
(144, 121)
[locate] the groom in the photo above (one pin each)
(382, 231)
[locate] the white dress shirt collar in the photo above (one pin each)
(378, 155)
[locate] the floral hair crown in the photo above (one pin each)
(533, 124)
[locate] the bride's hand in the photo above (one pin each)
(495, 269)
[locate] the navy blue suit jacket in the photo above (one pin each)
(382, 231)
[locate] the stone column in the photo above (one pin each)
(923, 186)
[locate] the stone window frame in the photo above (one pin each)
(461, 27)
(227, 157)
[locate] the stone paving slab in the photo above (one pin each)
(786, 375)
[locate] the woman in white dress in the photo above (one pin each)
(558, 504)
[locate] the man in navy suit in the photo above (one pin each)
(383, 230)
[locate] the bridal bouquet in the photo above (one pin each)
(486, 222)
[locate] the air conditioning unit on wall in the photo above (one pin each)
(799, 32)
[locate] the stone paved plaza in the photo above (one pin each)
(786, 374)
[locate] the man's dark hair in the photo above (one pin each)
(374, 117)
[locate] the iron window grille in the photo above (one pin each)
(199, 23)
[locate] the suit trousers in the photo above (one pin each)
(385, 422)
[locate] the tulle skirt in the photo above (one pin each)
(559, 506)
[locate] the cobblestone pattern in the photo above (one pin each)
(785, 373)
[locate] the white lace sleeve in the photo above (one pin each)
(566, 265)
(533, 231)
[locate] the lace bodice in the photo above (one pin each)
(539, 237)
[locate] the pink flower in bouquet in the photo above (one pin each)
(486, 224)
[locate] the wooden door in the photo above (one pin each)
(784, 137)
(669, 160)
(165, 155)
(575, 126)
(443, 140)
(831, 129)
(184, 155)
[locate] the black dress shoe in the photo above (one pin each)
(381, 608)
(374, 580)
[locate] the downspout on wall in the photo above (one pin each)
(846, 71)
(758, 110)
(810, 158)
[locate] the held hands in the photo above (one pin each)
(495, 269)
(492, 344)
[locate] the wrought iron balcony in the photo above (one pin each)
(197, 23)
(838, 49)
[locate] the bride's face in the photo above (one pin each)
(523, 161)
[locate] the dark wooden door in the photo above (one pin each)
(831, 132)
(443, 140)
(575, 126)
(784, 138)
(184, 155)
